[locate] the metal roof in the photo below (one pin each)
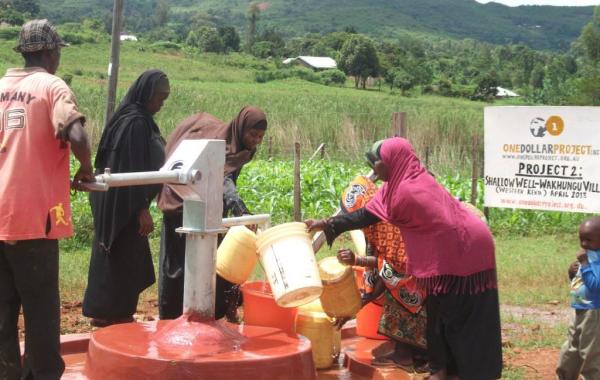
(315, 62)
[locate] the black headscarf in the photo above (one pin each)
(132, 106)
(131, 142)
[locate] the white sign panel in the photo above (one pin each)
(543, 158)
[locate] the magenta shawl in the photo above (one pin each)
(448, 247)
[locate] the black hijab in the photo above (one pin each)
(131, 142)
(132, 106)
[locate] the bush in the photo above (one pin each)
(165, 45)
(306, 74)
(333, 76)
(245, 61)
(262, 49)
(11, 17)
(9, 33)
(77, 34)
(262, 76)
(76, 38)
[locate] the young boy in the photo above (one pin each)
(580, 355)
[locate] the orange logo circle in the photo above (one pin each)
(555, 125)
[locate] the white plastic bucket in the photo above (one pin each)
(288, 259)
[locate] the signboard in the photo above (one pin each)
(543, 158)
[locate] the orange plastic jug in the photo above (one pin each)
(260, 308)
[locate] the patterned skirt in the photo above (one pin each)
(401, 325)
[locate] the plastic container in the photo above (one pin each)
(315, 306)
(360, 242)
(319, 329)
(260, 309)
(367, 321)
(288, 259)
(311, 306)
(340, 297)
(236, 256)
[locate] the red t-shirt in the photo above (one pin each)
(35, 109)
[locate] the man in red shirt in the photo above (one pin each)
(39, 126)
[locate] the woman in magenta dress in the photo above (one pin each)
(450, 252)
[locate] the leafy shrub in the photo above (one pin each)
(77, 34)
(325, 77)
(305, 73)
(333, 76)
(11, 16)
(165, 45)
(262, 49)
(9, 33)
(245, 61)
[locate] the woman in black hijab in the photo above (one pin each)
(121, 263)
(242, 136)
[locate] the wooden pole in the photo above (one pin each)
(113, 66)
(474, 174)
(321, 149)
(297, 190)
(399, 128)
(486, 210)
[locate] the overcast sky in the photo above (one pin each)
(514, 3)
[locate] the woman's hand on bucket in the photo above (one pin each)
(346, 256)
(315, 225)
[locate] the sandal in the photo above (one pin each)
(384, 361)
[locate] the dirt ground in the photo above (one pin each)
(536, 363)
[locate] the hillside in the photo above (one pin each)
(540, 27)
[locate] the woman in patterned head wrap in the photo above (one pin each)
(404, 317)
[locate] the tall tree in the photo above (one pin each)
(210, 41)
(358, 58)
(230, 37)
(591, 40)
(161, 14)
(253, 17)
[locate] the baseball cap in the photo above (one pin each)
(37, 35)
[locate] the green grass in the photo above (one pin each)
(533, 270)
(346, 119)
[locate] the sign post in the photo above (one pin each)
(543, 158)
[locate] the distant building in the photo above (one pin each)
(502, 92)
(315, 63)
(128, 37)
